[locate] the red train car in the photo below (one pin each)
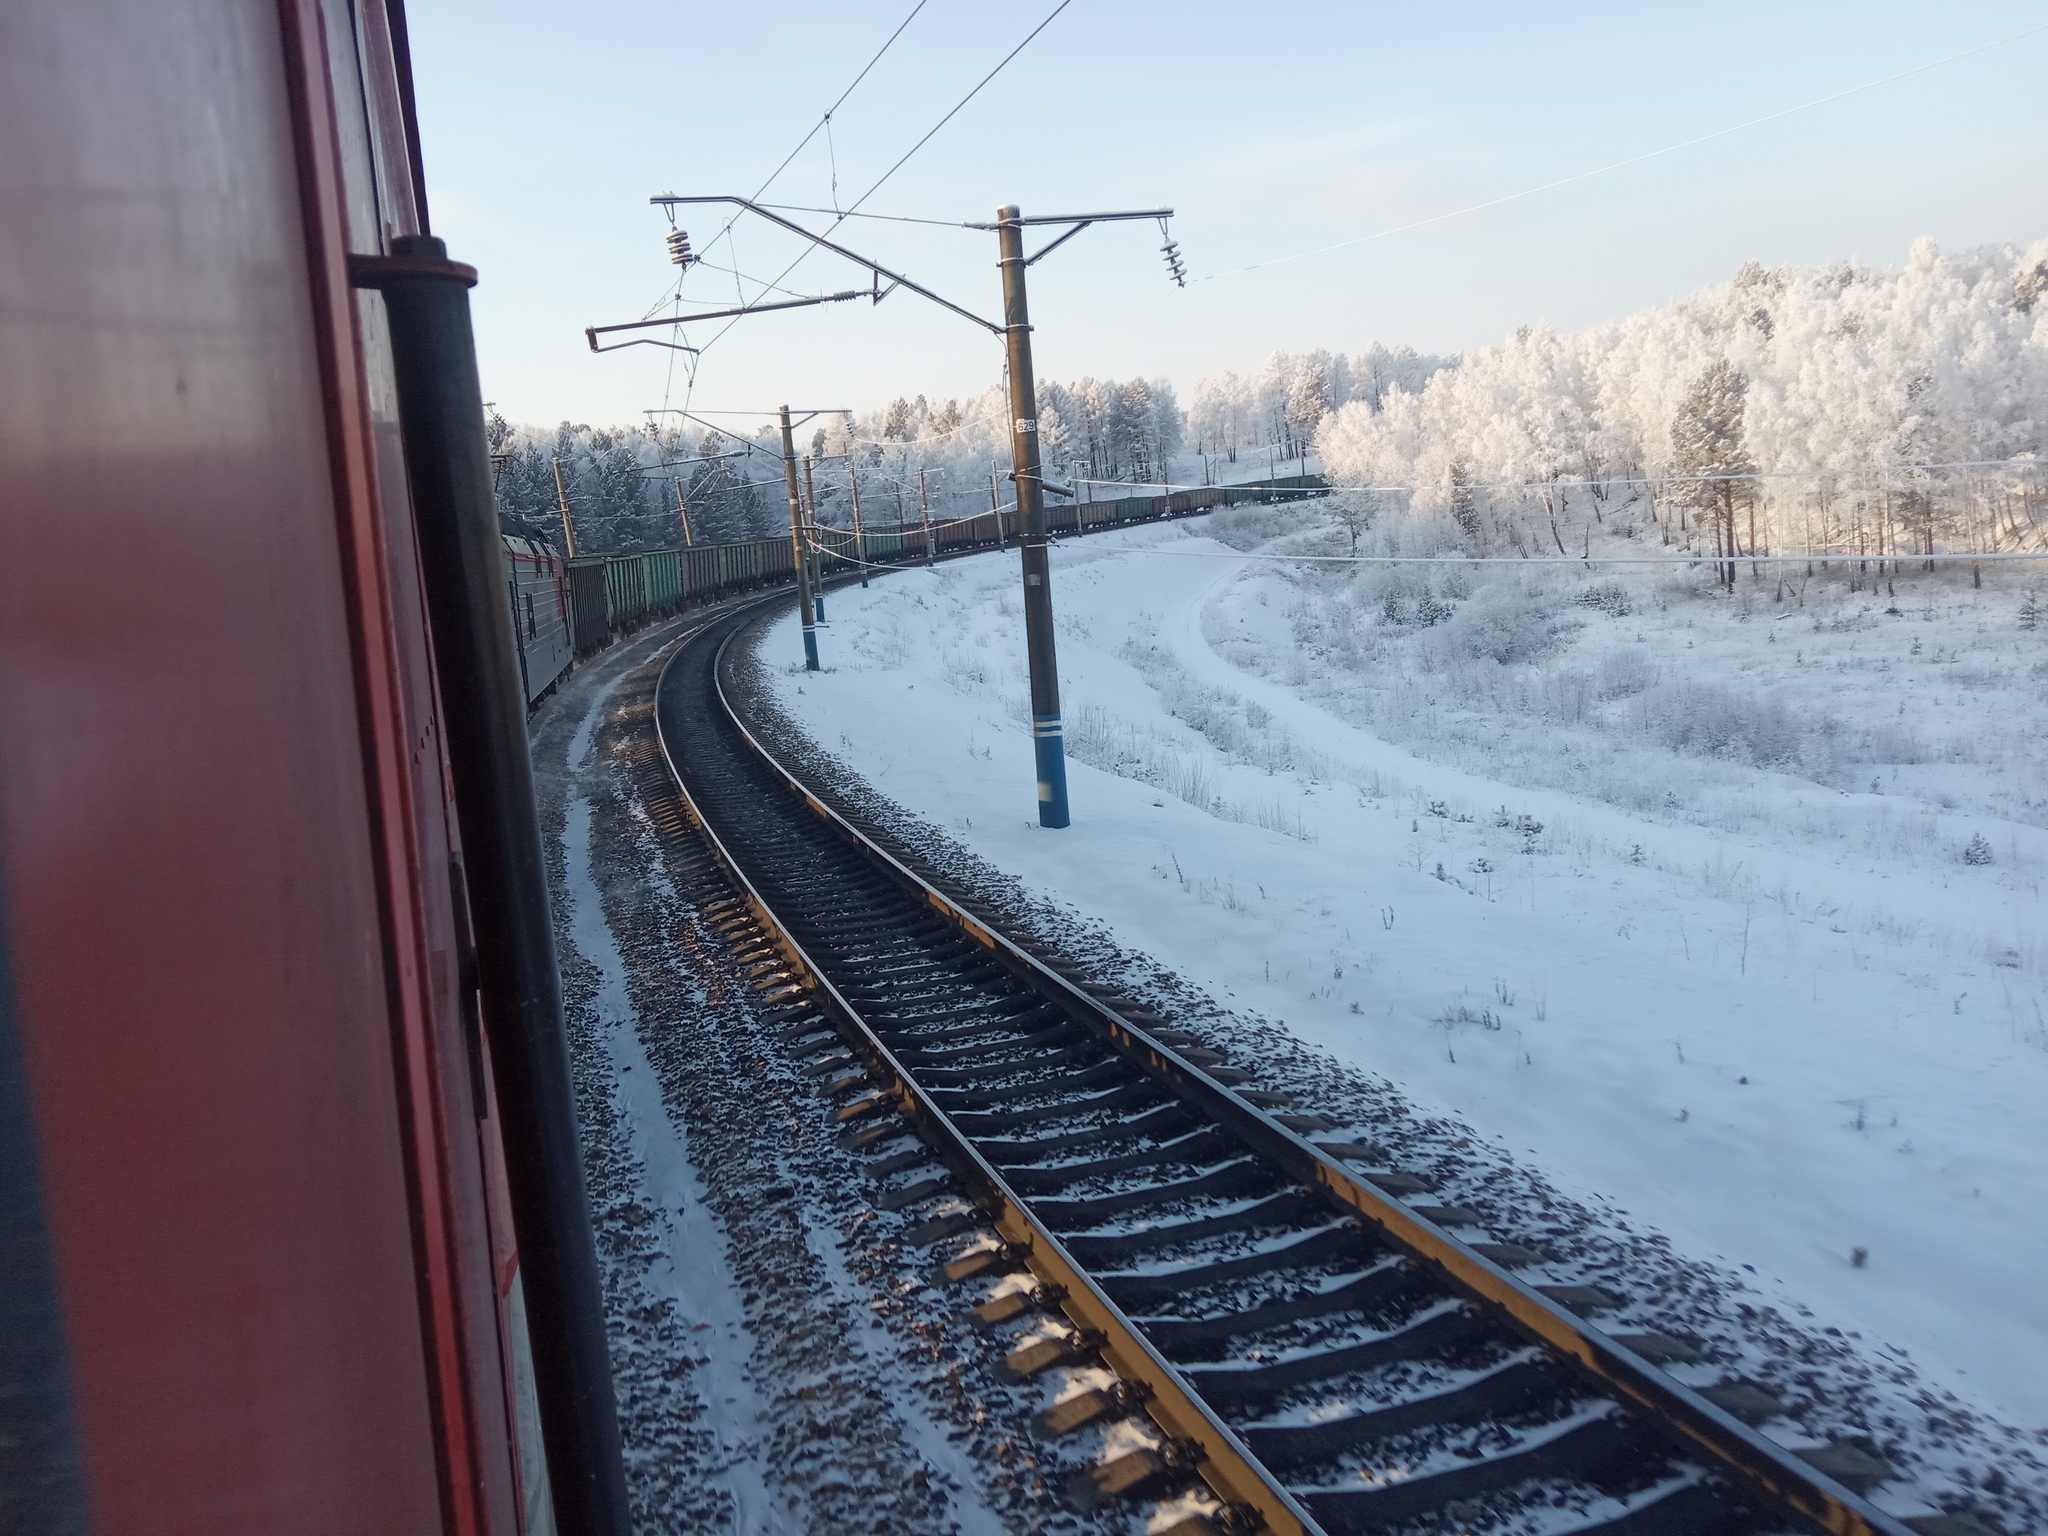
(291, 1225)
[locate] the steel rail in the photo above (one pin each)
(1757, 1464)
(1232, 1472)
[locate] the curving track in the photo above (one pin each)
(1286, 1347)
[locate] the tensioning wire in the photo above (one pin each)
(920, 144)
(892, 218)
(1694, 559)
(1570, 482)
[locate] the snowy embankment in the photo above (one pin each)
(1773, 1012)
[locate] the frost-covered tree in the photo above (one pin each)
(1708, 455)
(1308, 402)
(1858, 386)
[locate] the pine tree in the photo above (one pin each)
(1707, 449)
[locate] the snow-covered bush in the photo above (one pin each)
(1505, 622)
(1702, 719)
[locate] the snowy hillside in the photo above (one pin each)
(1723, 910)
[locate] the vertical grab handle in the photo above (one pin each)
(462, 564)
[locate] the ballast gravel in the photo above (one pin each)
(781, 1359)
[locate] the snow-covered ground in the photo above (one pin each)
(1772, 1011)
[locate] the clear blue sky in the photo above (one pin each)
(1272, 129)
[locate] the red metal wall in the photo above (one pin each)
(223, 829)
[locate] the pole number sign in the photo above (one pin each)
(1027, 423)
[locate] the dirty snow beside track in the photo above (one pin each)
(780, 1363)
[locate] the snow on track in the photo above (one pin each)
(744, 1276)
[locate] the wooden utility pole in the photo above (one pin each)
(995, 502)
(683, 506)
(860, 543)
(924, 508)
(1048, 739)
(1016, 333)
(562, 505)
(796, 544)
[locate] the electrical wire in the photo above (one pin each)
(1572, 482)
(1691, 559)
(725, 231)
(920, 144)
(893, 218)
(826, 121)
(905, 160)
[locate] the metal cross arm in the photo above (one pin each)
(707, 458)
(592, 332)
(1080, 221)
(836, 249)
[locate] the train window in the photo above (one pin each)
(531, 631)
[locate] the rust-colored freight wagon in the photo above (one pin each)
(292, 1232)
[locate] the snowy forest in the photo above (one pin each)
(1832, 409)
(1837, 409)
(624, 485)
(621, 482)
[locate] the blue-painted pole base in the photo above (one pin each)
(810, 649)
(819, 603)
(1050, 744)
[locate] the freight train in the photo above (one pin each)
(566, 608)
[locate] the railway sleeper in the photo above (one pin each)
(1148, 1472)
(974, 1033)
(1289, 1208)
(930, 1234)
(1159, 1123)
(1682, 1509)
(917, 1157)
(997, 1259)
(1199, 1150)
(886, 972)
(911, 1194)
(1071, 1347)
(1113, 1071)
(1239, 1179)
(914, 925)
(1377, 1290)
(1012, 1305)
(1585, 1450)
(1097, 1405)
(1447, 1326)
(896, 1024)
(856, 1138)
(938, 989)
(920, 981)
(1513, 1388)
(1336, 1243)
(963, 1077)
(1004, 1039)
(1139, 1094)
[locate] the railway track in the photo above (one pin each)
(1260, 1328)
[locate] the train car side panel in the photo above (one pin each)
(222, 1144)
(589, 604)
